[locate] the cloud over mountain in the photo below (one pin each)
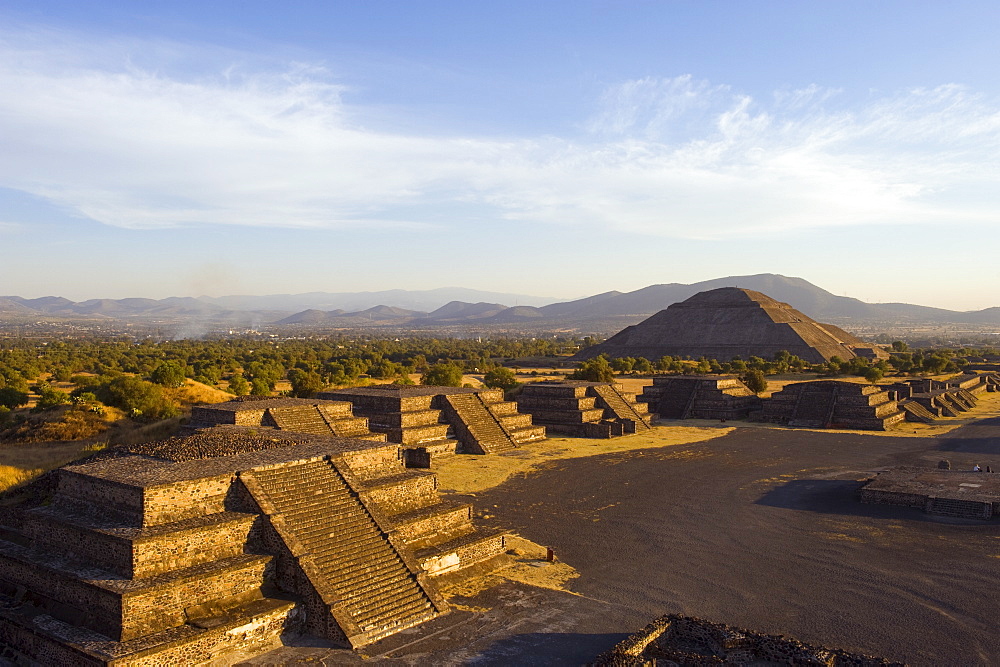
(137, 141)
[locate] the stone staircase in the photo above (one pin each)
(699, 397)
(915, 412)
(299, 415)
(621, 409)
(346, 556)
(305, 419)
(815, 407)
(477, 428)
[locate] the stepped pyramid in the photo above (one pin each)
(301, 415)
(700, 397)
(196, 549)
(584, 409)
(833, 404)
(431, 422)
(729, 322)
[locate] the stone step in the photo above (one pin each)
(388, 604)
(353, 557)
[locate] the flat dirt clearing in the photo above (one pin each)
(760, 528)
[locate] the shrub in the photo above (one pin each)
(443, 375)
(755, 381)
(168, 374)
(500, 378)
(11, 398)
(141, 399)
(595, 370)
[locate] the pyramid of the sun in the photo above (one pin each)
(731, 322)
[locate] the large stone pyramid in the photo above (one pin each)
(731, 322)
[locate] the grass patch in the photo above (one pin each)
(11, 476)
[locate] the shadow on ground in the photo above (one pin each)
(831, 496)
(556, 648)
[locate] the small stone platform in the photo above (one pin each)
(200, 548)
(301, 415)
(700, 397)
(584, 409)
(957, 493)
(682, 640)
(431, 422)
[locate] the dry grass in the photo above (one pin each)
(11, 476)
(20, 463)
(471, 473)
(193, 393)
(132, 434)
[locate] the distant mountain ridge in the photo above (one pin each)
(437, 308)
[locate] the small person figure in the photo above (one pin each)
(988, 469)
(976, 468)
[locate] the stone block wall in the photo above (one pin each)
(411, 492)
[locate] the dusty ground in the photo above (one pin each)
(756, 527)
(470, 474)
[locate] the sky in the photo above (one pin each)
(561, 149)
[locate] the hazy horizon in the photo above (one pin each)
(563, 148)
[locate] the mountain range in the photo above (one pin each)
(460, 306)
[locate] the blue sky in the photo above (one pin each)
(556, 149)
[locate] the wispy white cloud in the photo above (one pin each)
(133, 145)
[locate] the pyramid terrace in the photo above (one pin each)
(584, 409)
(431, 422)
(200, 548)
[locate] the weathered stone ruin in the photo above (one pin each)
(584, 409)
(833, 404)
(202, 548)
(301, 415)
(674, 639)
(730, 322)
(926, 400)
(955, 493)
(699, 397)
(431, 422)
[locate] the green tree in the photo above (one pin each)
(500, 378)
(594, 370)
(622, 364)
(11, 398)
(238, 385)
(305, 384)
(142, 400)
(899, 346)
(48, 397)
(754, 380)
(443, 375)
(642, 365)
(873, 374)
(259, 387)
(168, 374)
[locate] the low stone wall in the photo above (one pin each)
(892, 498)
(415, 490)
(185, 499)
